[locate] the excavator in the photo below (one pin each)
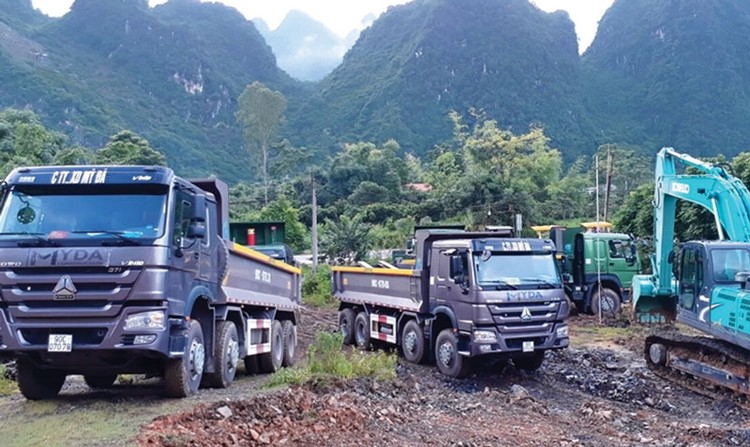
(702, 284)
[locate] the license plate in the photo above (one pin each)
(60, 343)
(528, 346)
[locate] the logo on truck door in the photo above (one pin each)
(65, 290)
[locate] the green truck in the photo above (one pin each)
(598, 266)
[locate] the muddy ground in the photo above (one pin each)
(596, 393)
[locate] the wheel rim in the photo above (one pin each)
(410, 341)
(278, 346)
(446, 354)
(608, 304)
(233, 354)
(197, 358)
(344, 328)
(360, 333)
(657, 353)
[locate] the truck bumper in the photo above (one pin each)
(517, 343)
(98, 344)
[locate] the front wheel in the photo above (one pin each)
(605, 300)
(412, 342)
(448, 360)
(226, 356)
(36, 383)
(183, 376)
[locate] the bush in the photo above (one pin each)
(326, 361)
(316, 286)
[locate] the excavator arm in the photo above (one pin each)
(725, 196)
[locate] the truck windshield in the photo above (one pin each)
(58, 213)
(511, 270)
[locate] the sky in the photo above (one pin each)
(342, 16)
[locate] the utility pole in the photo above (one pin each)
(610, 168)
(314, 223)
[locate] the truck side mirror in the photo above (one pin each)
(198, 209)
(457, 271)
(630, 258)
(196, 230)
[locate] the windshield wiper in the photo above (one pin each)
(501, 285)
(549, 284)
(39, 239)
(118, 234)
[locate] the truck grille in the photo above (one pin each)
(511, 317)
(81, 336)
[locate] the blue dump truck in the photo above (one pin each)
(107, 270)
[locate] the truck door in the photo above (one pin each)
(206, 246)
(186, 250)
(622, 260)
(441, 273)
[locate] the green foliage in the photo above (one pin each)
(282, 209)
(316, 286)
(326, 361)
(7, 386)
(127, 148)
(24, 141)
(346, 239)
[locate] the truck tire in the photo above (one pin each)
(222, 266)
(290, 342)
(226, 356)
(251, 365)
(36, 383)
(346, 325)
(529, 362)
(271, 361)
(606, 299)
(100, 381)
(448, 360)
(182, 376)
(412, 342)
(362, 331)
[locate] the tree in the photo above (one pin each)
(283, 210)
(127, 148)
(24, 141)
(346, 238)
(260, 113)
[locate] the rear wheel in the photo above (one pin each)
(606, 300)
(226, 356)
(346, 325)
(290, 342)
(271, 361)
(100, 381)
(183, 376)
(412, 342)
(448, 360)
(36, 383)
(362, 331)
(529, 362)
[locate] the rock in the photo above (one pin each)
(224, 411)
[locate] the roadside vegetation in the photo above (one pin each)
(316, 286)
(7, 385)
(326, 361)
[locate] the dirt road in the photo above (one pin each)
(597, 393)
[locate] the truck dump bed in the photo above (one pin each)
(256, 279)
(394, 288)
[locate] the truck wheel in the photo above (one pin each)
(448, 360)
(226, 358)
(183, 376)
(36, 383)
(529, 362)
(412, 342)
(362, 331)
(346, 325)
(251, 364)
(290, 342)
(271, 361)
(100, 381)
(606, 299)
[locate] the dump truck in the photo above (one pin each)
(106, 270)
(598, 266)
(470, 294)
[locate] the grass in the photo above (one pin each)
(7, 386)
(326, 361)
(316, 286)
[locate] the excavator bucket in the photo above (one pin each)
(654, 309)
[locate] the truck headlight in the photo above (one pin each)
(154, 319)
(485, 336)
(562, 332)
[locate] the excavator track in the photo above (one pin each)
(707, 366)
